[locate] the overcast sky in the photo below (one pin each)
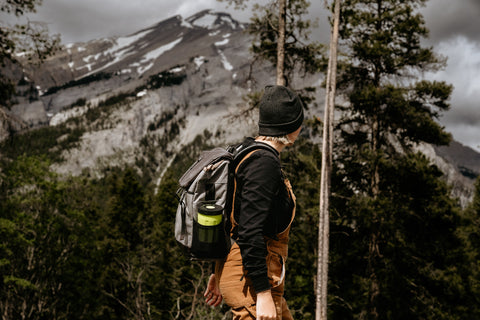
(454, 32)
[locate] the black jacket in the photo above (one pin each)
(262, 208)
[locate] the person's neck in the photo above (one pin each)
(277, 146)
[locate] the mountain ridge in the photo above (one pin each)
(169, 82)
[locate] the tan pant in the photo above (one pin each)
(237, 290)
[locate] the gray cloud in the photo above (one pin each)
(90, 19)
(79, 21)
(451, 18)
(463, 71)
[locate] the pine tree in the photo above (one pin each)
(397, 218)
(282, 37)
(469, 231)
(299, 53)
(388, 109)
(46, 243)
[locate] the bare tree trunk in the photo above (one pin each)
(281, 42)
(327, 150)
(373, 250)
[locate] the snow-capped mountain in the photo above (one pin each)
(193, 72)
(170, 44)
(143, 53)
(155, 91)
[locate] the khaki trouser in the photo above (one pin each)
(238, 292)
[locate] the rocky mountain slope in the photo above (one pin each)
(156, 89)
(148, 94)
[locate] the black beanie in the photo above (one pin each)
(281, 112)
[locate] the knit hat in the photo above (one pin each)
(281, 112)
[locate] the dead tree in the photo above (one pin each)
(282, 14)
(327, 150)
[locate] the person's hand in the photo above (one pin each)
(265, 306)
(213, 296)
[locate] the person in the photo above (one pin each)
(251, 279)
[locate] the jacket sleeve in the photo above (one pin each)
(260, 176)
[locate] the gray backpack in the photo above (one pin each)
(202, 223)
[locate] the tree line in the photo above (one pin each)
(103, 248)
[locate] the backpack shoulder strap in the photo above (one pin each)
(239, 163)
(242, 153)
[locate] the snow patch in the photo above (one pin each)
(88, 66)
(186, 24)
(141, 93)
(199, 61)
(227, 65)
(143, 69)
(40, 92)
(159, 51)
(229, 21)
(212, 20)
(123, 42)
(207, 21)
(154, 54)
(121, 49)
(92, 57)
(214, 33)
(22, 54)
(222, 43)
(177, 69)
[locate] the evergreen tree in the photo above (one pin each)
(419, 258)
(388, 109)
(300, 54)
(469, 231)
(288, 48)
(45, 241)
(170, 260)
(396, 217)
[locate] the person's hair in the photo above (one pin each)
(281, 139)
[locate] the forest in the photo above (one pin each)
(401, 247)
